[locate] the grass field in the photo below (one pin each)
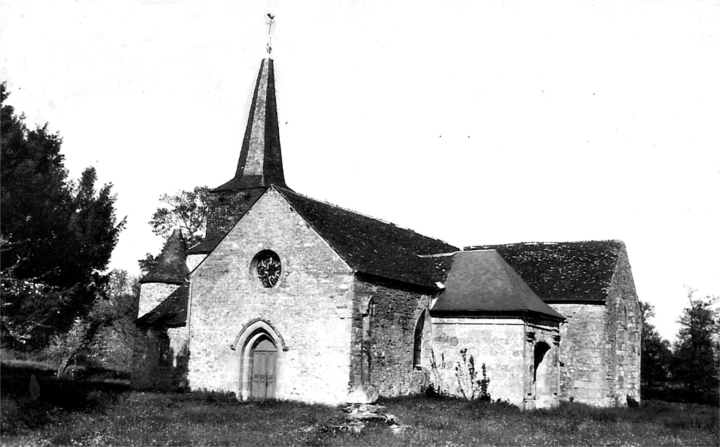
(75, 413)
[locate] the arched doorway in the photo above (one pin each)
(263, 369)
(541, 387)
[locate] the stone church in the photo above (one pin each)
(288, 297)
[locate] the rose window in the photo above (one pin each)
(268, 268)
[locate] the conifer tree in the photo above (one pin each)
(56, 235)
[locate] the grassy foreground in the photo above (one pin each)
(73, 412)
(129, 418)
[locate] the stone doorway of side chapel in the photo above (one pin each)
(263, 369)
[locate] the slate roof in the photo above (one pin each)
(482, 283)
(207, 245)
(564, 271)
(372, 246)
(172, 312)
(171, 267)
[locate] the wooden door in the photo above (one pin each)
(264, 370)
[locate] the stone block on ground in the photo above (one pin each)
(363, 394)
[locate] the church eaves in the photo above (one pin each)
(171, 267)
(260, 163)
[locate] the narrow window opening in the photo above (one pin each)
(417, 347)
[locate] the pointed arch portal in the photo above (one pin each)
(260, 348)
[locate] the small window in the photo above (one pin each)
(624, 316)
(164, 349)
(417, 349)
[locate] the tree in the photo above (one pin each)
(695, 363)
(56, 235)
(656, 355)
(90, 337)
(186, 210)
(147, 263)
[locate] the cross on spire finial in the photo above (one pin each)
(270, 22)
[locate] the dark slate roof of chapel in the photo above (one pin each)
(172, 312)
(207, 245)
(171, 265)
(564, 271)
(260, 162)
(374, 247)
(482, 283)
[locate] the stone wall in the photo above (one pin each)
(308, 313)
(156, 368)
(624, 334)
(542, 364)
(152, 294)
(498, 343)
(384, 322)
(600, 360)
(583, 358)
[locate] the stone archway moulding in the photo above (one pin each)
(246, 339)
(258, 325)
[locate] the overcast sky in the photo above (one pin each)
(474, 122)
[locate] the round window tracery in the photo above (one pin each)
(267, 267)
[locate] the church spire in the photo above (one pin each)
(260, 163)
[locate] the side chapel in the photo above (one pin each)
(292, 298)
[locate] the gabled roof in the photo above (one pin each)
(172, 312)
(372, 246)
(260, 162)
(482, 283)
(564, 271)
(171, 267)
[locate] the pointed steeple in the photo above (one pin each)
(260, 163)
(171, 267)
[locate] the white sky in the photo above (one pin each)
(474, 122)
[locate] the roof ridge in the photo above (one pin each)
(510, 244)
(368, 216)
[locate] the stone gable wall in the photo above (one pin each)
(624, 334)
(384, 318)
(601, 345)
(310, 308)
